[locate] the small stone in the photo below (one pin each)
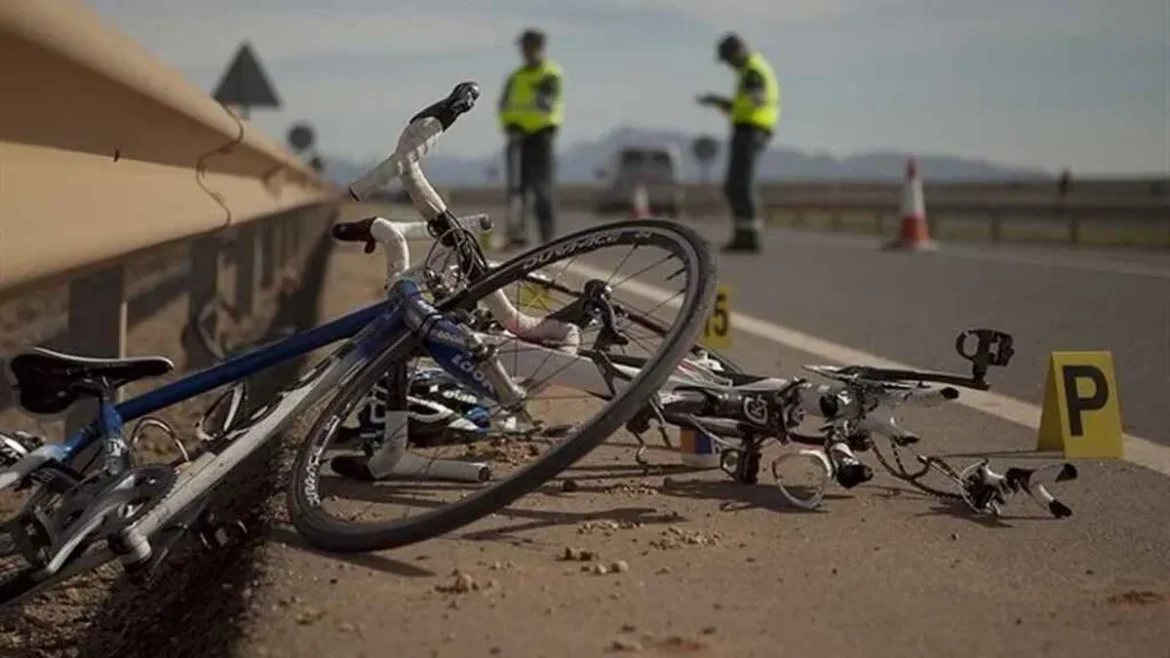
(628, 628)
(1089, 572)
(834, 571)
(955, 536)
(346, 627)
(710, 630)
(622, 644)
(570, 485)
(495, 651)
(621, 566)
(600, 569)
(1019, 621)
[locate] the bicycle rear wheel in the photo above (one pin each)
(346, 530)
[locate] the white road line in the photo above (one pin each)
(1138, 450)
(959, 251)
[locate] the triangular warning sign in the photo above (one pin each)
(245, 84)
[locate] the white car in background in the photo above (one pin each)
(655, 167)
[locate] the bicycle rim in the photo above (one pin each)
(329, 532)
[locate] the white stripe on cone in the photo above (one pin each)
(914, 231)
(640, 204)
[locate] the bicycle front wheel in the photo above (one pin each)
(332, 509)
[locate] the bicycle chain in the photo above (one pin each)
(913, 480)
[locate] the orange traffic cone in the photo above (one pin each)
(640, 203)
(915, 231)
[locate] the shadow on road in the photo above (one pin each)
(196, 600)
(736, 497)
(374, 562)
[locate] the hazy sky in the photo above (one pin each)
(1084, 83)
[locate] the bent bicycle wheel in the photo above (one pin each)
(338, 506)
(635, 319)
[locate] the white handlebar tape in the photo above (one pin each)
(415, 143)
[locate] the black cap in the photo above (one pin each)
(531, 37)
(728, 45)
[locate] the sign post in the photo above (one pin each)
(245, 84)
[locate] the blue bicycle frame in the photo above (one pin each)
(385, 323)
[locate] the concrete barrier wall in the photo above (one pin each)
(104, 151)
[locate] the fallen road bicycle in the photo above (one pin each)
(88, 500)
(740, 413)
(743, 413)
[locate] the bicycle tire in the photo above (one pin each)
(653, 324)
(328, 533)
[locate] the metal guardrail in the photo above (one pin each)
(107, 151)
(107, 154)
(996, 208)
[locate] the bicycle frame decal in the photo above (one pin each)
(235, 369)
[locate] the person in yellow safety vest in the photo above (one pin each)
(530, 112)
(754, 112)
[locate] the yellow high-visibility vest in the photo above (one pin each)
(520, 107)
(744, 109)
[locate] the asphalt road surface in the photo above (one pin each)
(909, 307)
(712, 568)
(881, 571)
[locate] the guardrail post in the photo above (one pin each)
(97, 328)
(267, 253)
(294, 235)
(283, 254)
(245, 268)
(996, 226)
(203, 286)
(1074, 224)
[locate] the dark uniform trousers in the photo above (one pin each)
(531, 167)
(747, 143)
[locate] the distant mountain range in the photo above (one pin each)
(579, 162)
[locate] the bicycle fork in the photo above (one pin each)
(461, 352)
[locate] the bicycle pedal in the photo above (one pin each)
(223, 535)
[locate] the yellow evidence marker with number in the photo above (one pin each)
(717, 330)
(1081, 415)
(532, 295)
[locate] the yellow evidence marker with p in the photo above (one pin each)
(1081, 416)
